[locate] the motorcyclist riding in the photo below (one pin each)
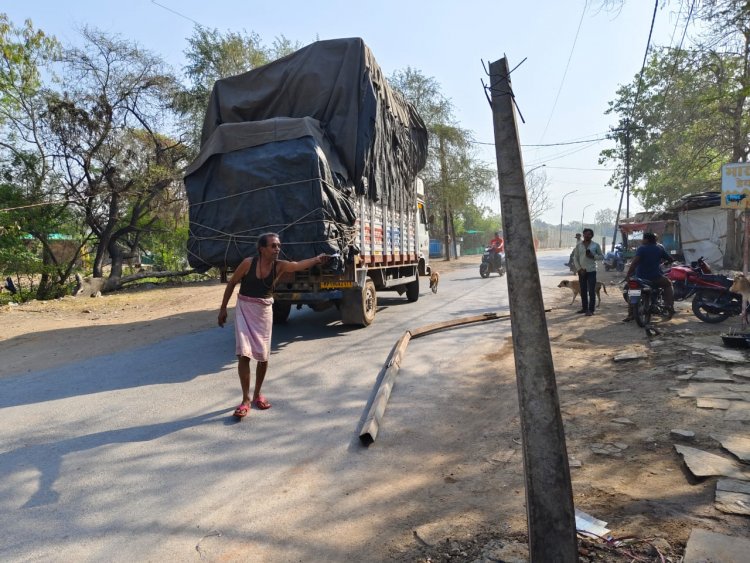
(497, 247)
(646, 265)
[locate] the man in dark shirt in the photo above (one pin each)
(646, 265)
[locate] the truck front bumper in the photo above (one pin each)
(304, 298)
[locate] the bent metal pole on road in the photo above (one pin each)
(549, 495)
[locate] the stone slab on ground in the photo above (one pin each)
(705, 403)
(732, 496)
(709, 547)
(738, 410)
(630, 356)
(712, 374)
(741, 372)
(727, 356)
(623, 420)
(713, 390)
(736, 444)
(705, 464)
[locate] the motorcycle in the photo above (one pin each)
(614, 260)
(646, 301)
(687, 280)
(712, 300)
(491, 263)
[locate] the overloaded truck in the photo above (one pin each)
(318, 148)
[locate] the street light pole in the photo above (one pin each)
(535, 168)
(562, 206)
(583, 213)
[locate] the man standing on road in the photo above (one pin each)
(585, 256)
(647, 265)
(254, 316)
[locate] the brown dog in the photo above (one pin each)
(575, 287)
(434, 280)
(741, 285)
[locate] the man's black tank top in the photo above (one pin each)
(251, 286)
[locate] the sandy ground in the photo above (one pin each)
(630, 474)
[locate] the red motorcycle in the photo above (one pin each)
(712, 300)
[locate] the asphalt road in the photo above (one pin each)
(134, 456)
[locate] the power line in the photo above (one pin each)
(175, 12)
(567, 66)
(550, 144)
(677, 52)
(574, 168)
(568, 143)
(645, 56)
(34, 205)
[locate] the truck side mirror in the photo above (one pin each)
(430, 219)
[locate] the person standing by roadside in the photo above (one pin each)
(570, 260)
(585, 256)
(254, 316)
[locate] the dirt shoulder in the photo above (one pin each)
(618, 417)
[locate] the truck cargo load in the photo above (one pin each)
(373, 143)
(318, 148)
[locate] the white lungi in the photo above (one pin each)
(252, 327)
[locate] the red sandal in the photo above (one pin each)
(242, 411)
(261, 403)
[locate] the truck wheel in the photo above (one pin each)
(358, 306)
(412, 290)
(281, 311)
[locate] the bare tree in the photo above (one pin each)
(536, 193)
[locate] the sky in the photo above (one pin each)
(575, 57)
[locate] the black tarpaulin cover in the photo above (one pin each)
(290, 183)
(285, 146)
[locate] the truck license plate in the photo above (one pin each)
(336, 285)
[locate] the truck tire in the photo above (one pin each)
(281, 311)
(412, 290)
(358, 306)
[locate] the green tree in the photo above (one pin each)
(109, 129)
(29, 196)
(213, 55)
(454, 177)
(688, 115)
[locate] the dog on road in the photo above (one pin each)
(741, 285)
(575, 287)
(434, 280)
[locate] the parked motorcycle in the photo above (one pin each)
(615, 260)
(712, 300)
(717, 305)
(646, 300)
(687, 280)
(491, 264)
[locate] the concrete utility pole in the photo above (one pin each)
(549, 494)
